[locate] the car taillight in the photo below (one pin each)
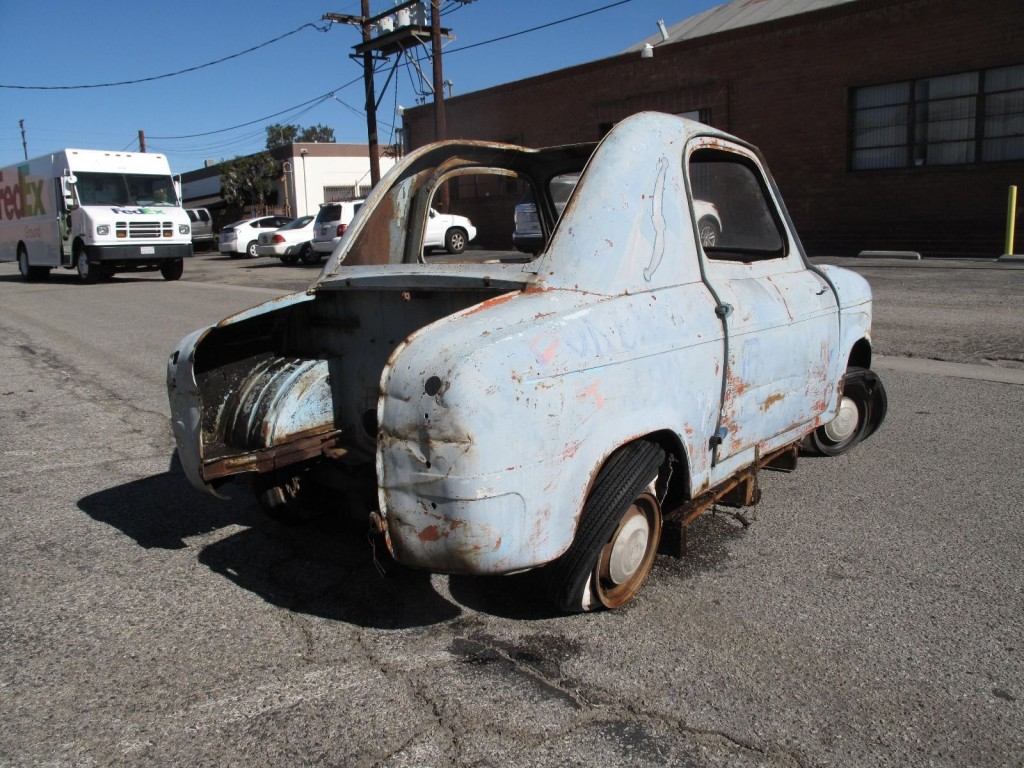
(278, 238)
(341, 229)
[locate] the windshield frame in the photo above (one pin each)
(125, 189)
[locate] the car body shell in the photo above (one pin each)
(493, 416)
(236, 237)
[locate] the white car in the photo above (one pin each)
(331, 223)
(289, 243)
(448, 231)
(240, 239)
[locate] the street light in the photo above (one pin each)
(286, 169)
(305, 184)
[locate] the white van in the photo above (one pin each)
(331, 223)
(94, 211)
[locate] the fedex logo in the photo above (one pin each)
(22, 197)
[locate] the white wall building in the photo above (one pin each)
(313, 174)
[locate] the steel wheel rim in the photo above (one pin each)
(844, 425)
(707, 236)
(83, 266)
(621, 568)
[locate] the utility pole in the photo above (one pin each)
(440, 128)
(389, 42)
(142, 140)
(24, 144)
(371, 98)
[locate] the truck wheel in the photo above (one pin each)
(171, 270)
(861, 409)
(455, 240)
(617, 538)
(290, 496)
(709, 232)
(250, 249)
(28, 272)
(85, 271)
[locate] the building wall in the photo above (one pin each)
(310, 177)
(785, 86)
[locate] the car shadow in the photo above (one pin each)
(161, 511)
(326, 568)
(71, 278)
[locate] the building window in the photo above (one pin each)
(340, 194)
(956, 119)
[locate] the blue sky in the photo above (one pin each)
(67, 43)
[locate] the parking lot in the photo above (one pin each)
(872, 614)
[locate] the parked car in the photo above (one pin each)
(331, 222)
(240, 238)
(289, 243)
(448, 231)
(528, 236)
(491, 418)
(202, 227)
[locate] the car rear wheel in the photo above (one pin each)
(309, 256)
(250, 249)
(291, 258)
(616, 542)
(455, 240)
(290, 496)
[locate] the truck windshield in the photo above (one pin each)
(124, 189)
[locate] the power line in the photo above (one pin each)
(316, 99)
(540, 26)
(168, 74)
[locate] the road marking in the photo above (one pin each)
(952, 370)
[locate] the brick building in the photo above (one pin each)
(888, 124)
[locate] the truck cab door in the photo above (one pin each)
(63, 219)
(780, 320)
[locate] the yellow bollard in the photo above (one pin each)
(1011, 219)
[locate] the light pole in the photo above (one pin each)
(286, 170)
(305, 185)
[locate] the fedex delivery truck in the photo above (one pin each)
(93, 211)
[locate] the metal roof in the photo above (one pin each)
(732, 15)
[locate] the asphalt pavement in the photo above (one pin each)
(871, 615)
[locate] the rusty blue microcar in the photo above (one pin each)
(503, 411)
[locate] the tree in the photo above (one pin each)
(279, 135)
(317, 134)
(282, 134)
(249, 180)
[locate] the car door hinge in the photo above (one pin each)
(723, 310)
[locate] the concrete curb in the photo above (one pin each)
(975, 371)
(1011, 258)
(908, 255)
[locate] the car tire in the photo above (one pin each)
(709, 232)
(862, 407)
(455, 240)
(309, 256)
(290, 258)
(250, 249)
(171, 270)
(616, 541)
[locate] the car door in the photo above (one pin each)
(781, 320)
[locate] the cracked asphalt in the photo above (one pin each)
(871, 615)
